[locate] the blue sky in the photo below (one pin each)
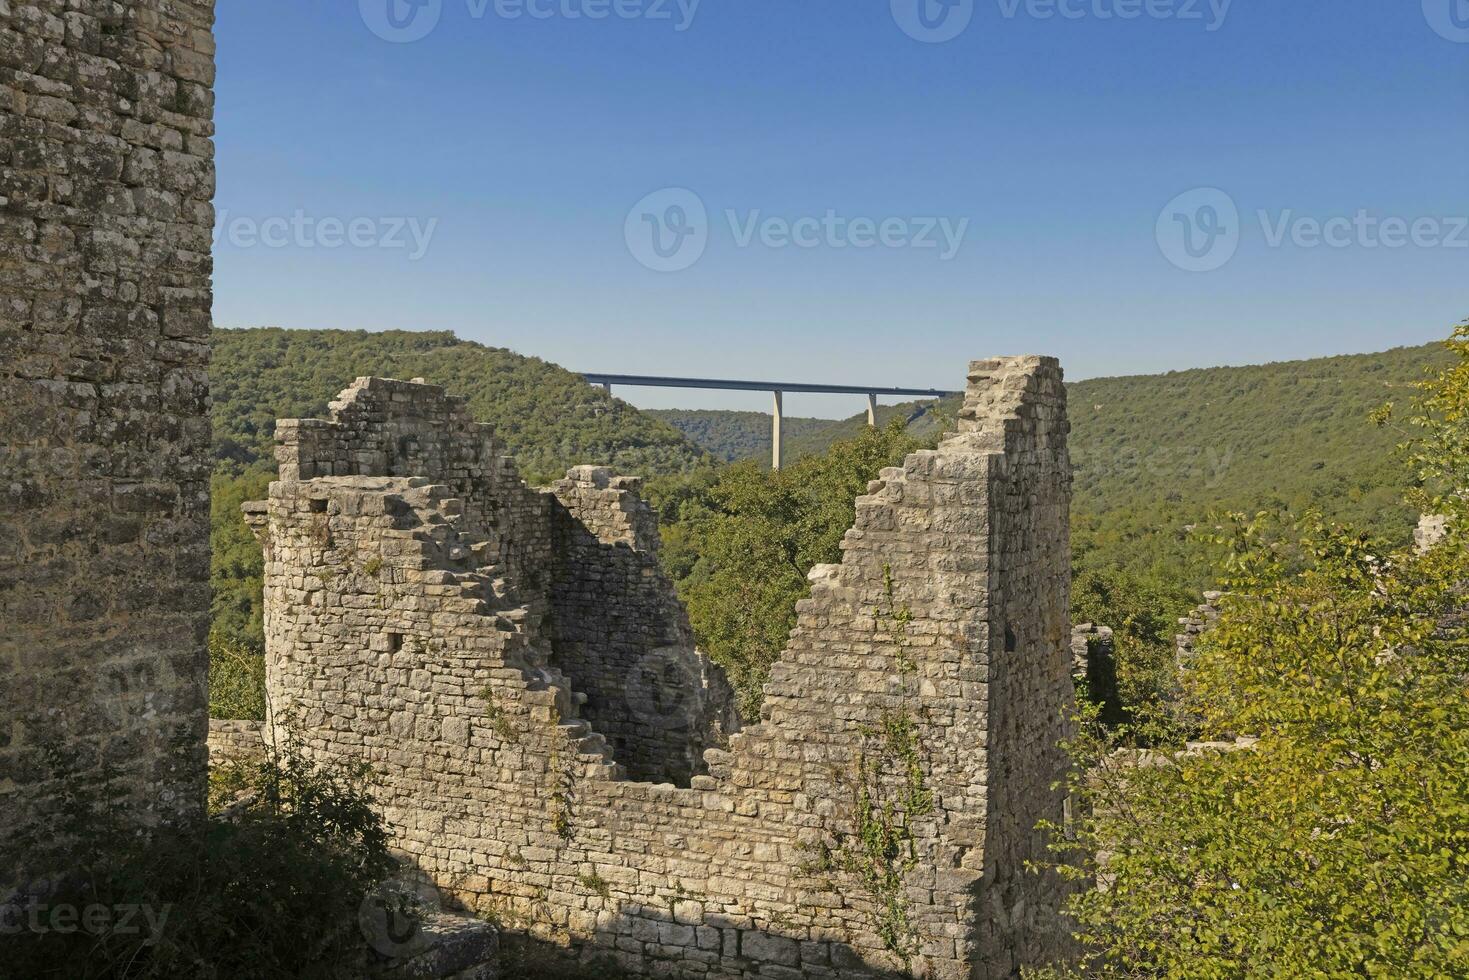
(495, 167)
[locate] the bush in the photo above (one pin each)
(236, 679)
(272, 890)
(1338, 843)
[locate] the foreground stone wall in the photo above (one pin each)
(921, 696)
(106, 176)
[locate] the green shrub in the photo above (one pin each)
(236, 679)
(1338, 843)
(272, 891)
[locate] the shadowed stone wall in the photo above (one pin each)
(106, 177)
(921, 696)
(620, 632)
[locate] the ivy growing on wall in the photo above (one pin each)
(889, 790)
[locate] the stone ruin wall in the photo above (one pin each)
(572, 571)
(618, 630)
(106, 177)
(413, 616)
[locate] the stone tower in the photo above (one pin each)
(106, 177)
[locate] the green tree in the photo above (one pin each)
(1338, 843)
(740, 541)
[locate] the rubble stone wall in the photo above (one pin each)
(235, 741)
(633, 657)
(922, 693)
(106, 178)
(580, 559)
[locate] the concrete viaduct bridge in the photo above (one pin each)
(776, 388)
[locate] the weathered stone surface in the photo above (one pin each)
(104, 434)
(475, 641)
(1431, 529)
(235, 741)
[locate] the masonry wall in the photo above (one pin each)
(618, 628)
(921, 696)
(106, 177)
(577, 563)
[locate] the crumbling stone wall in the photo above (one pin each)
(233, 741)
(619, 630)
(1203, 616)
(106, 176)
(578, 564)
(922, 695)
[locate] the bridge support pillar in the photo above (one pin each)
(872, 410)
(775, 434)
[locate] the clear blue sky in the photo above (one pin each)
(528, 141)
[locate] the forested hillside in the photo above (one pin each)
(1295, 433)
(548, 417)
(731, 436)
(1158, 461)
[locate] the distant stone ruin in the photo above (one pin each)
(106, 176)
(555, 754)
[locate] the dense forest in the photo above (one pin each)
(548, 417)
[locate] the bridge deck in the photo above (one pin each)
(645, 381)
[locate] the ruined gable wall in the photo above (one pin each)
(1030, 686)
(106, 176)
(382, 427)
(389, 648)
(582, 559)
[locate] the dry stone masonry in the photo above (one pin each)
(106, 177)
(555, 754)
